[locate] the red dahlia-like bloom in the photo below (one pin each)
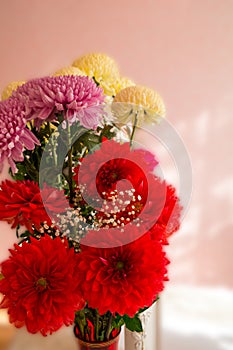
(152, 205)
(122, 279)
(21, 203)
(168, 221)
(159, 211)
(106, 169)
(77, 97)
(39, 285)
(146, 204)
(148, 157)
(14, 135)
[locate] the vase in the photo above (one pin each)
(105, 345)
(148, 339)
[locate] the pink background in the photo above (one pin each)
(181, 48)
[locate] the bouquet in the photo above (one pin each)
(90, 214)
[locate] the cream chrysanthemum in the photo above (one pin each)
(142, 102)
(70, 70)
(8, 90)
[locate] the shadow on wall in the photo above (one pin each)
(202, 260)
(201, 251)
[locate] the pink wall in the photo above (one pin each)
(181, 48)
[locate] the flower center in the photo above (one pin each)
(114, 175)
(108, 175)
(138, 206)
(120, 265)
(41, 284)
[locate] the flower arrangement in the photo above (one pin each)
(91, 215)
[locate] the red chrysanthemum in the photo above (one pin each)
(148, 157)
(143, 199)
(21, 203)
(156, 211)
(169, 219)
(113, 166)
(78, 97)
(145, 204)
(39, 285)
(122, 279)
(15, 137)
(159, 212)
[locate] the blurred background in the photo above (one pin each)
(183, 49)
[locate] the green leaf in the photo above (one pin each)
(117, 322)
(133, 324)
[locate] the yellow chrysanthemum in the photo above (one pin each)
(8, 90)
(70, 70)
(114, 87)
(105, 72)
(142, 102)
(99, 66)
(123, 83)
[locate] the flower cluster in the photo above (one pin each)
(38, 281)
(90, 213)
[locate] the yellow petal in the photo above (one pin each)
(123, 83)
(8, 90)
(70, 70)
(140, 100)
(112, 87)
(98, 65)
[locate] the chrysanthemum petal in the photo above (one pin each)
(23, 203)
(14, 134)
(134, 272)
(42, 307)
(8, 90)
(70, 70)
(49, 95)
(97, 65)
(141, 101)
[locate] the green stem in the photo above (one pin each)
(87, 333)
(70, 165)
(53, 145)
(109, 327)
(54, 154)
(70, 175)
(80, 321)
(134, 128)
(97, 326)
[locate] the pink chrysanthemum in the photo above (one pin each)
(14, 135)
(77, 97)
